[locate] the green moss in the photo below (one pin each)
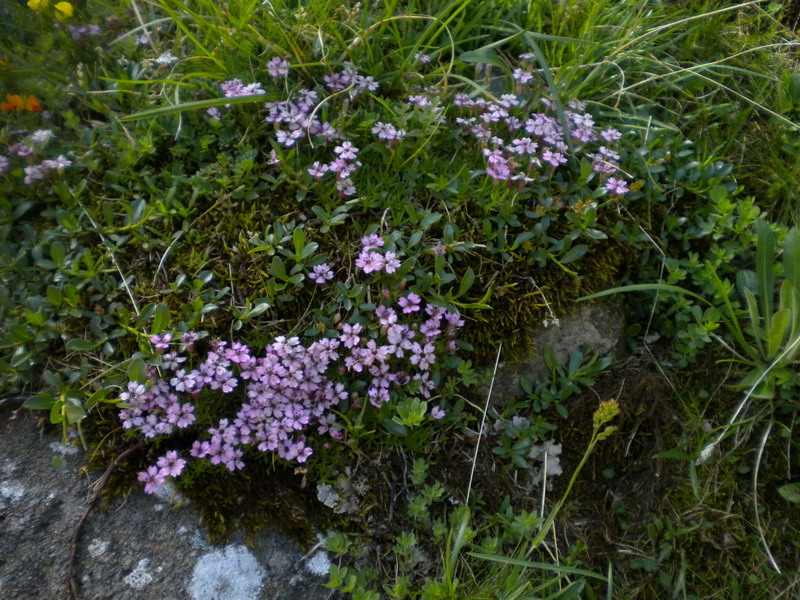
(518, 308)
(266, 493)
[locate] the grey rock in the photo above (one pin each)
(597, 327)
(143, 547)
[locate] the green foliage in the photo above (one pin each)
(524, 421)
(769, 342)
(480, 556)
(172, 221)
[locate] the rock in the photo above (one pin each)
(593, 327)
(142, 548)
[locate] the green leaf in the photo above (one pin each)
(645, 287)
(759, 383)
(161, 318)
(74, 412)
(55, 413)
(57, 253)
(550, 360)
(675, 453)
(98, 396)
(519, 461)
(791, 258)
(59, 462)
(54, 296)
(485, 56)
(575, 361)
(790, 492)
(72, 294)
(278, 269)
(80, 345)
(395, 428)
(777, 332)
(35, 318)
(574, 254)
(137, 370)
(765, 256)
(299, 240)
(572, 591)
(755, 320)
(259, 308)
(466, 282)
(40, 401)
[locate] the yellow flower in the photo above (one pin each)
(38, 5)
(607, 410)
(64, 11)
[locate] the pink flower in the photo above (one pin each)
(437, 413)
(392, 263)
(617, 187)
(170, 465)
(409, 303)
(521, 76)
(152, 478)
(161, 342)
(278, 67)
(321, 274)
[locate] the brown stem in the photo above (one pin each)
(101, 484)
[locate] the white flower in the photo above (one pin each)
(42, 136)
(167, 58)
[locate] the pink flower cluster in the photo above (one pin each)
(234, 88)
(78, 32)
(536, 139)
(388, 133)
(166, 466)
(372, 260)
(27, 150)
(277, 67)
(287, 391)
(349, 79)
(294, 119)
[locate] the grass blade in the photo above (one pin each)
(528, 564)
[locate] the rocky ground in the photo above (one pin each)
(142, 547)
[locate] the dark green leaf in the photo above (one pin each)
(791, 492)
(791, 258)
(40, 401)
(137, 371)
(395, 428)
(765, 256)
(80, 345)
(161, 318)
(54, 296)
(574, 254)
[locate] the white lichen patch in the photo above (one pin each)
(139, 577)
(62, 448)
(98, 549)
(319, 564)
(232, 573)
(11, 491)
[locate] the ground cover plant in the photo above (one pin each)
(295, 239)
